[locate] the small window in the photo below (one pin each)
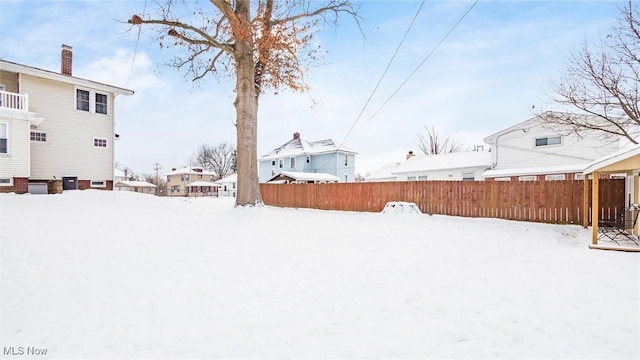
(175, 188)
(99, 142)
(554, 177)
(168, 178)
(468, 176)
(293, 163)
(199, 176)
(38, 136)
(273, 172)
(411, 178)
(4, 138)
(281, 163)
(82, 100)
(346, 160)
(308, 159)
(5, 181)
(95, 183)
(504, 178)
(233, 185)
(527, 178)
(578, 176)
(2, 88)
(422, 178)
(273, 162)
(547, 141)
(101, 103)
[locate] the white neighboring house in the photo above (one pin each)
(228, 185)
(467, 165)
(119, 175)
(55, 127)
(135, 186)
(292, 177)
(531, 151)
(384, 174)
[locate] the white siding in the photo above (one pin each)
(16, 162)
(69, 150)
(443, 175)
(517, 149)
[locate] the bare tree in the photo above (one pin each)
(264, 48)
(159, 181)
(435, 142)
(602, 83)
(218, 159)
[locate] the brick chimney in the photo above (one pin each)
(410, 155)
(296, 135)
(66, 60)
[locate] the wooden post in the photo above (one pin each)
(585, 202)
(595, 208)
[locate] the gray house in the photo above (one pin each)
(299, 155)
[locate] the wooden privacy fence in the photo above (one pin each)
(539, 201)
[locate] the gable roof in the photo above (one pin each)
(456, 160)
(229, 179)
(51, 75)
(298, 146)
(190, 170)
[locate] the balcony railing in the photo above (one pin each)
(14, 101)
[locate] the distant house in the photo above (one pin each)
(228, 185)
(135, 186)
(291, 177)
(56, 130)
(191, 181)
(119, 175)
(299, 155)
(532, 150)
(467, 165)
(383, 174)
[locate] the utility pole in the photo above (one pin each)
(156, 168)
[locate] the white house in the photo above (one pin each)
(55, 128)
(532, 150)
(467, 165)
(228, 185)
(299, 155)
(292, 177)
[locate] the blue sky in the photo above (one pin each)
(486, 76)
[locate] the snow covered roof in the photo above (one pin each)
(229, 179)
(384, 173)
(536, 170)
(305, 176)
(118, 173)
(197, 170)
(622, 154)
(298, 146)
(203, 183)
(457, 160)
(133, 183)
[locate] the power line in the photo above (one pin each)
(385, 71)
(424, 60)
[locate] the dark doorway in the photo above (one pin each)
(69, 183)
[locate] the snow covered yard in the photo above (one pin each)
(90, 274)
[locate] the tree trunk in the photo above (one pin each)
(246, 117)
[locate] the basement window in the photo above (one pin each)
(5, 181)
(96, 183)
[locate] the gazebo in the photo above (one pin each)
(625, 161)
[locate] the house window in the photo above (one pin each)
(422, 178)
(308, 159)
(5, 181)
(468, 176)
(82, 100)
(184, 177)
(411, 178)
(554, 177)
(2, 88)
(96, 183)
(273, 162)
(578, 176)
(505, 178)
(100, 142)
(233, 185)
(4, 138)
(273, 172)
(293, 163)
(547, 141)
(346, 160)
(281, 163)
(39, 136)
(101, 103)
(527, 178)
(199, 176)
(175, 188)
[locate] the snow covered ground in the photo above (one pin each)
(91, 274)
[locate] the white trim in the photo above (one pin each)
(92, 100)
(554, 177)
(104, 183)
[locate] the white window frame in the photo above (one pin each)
(6, 124)
(554, 177)
(105, 104)
(411, 178)
(9, 183)
(466, 177)
(45, 133)
(548, 138)
(92, 100)
(422, 178)
(527, 178)
(578, 176)
(503, 178)
(98, 183)
(106, 142)
(281, 163)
